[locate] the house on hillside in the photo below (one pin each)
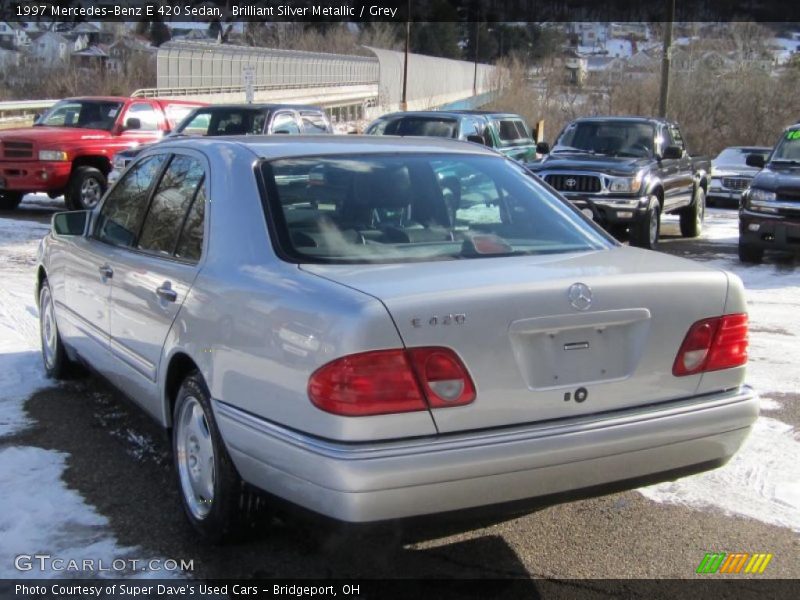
(51, 47)
(93, 57)
(13, 36)
(9, 59)
(126, 50)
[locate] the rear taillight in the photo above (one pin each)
(713, 344)
(391, 381)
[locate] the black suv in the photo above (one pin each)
(769, 212)
(238, 119)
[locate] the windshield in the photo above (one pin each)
(610, 138)
(737, 157)
(236, 121)
(417, 207)
(788, 148)
(416, 126)
(82, 114)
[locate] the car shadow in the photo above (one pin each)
(120, 462)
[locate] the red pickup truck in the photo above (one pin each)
(69, 149)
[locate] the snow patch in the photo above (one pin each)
(761, 481)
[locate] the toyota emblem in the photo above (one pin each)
(571, 182)
(580, 296)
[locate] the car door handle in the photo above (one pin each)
(166, 292)
(106, 272)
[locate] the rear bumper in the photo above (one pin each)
(369, 482)
(769, 232)
(34, 176)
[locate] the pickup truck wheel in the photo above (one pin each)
(645, 231)
(217, 502)
(750, 254)
(57, 364)
(10, 200)
(693, 216)
(85, 188)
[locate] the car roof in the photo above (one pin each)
(632, 119)
(448, 114)
(749, 148)
(100, 98)
(283, 146)
(265, 106)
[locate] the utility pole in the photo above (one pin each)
(475, 75)
(404, 101)
(665, 60)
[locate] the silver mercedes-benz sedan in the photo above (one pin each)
(374, 328)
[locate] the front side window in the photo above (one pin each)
(171, 201)
(285, 123)
(314, 123)
(81, 114)
(417, 207)
(124, 208)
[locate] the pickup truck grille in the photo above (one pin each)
(735, 183)
(574, 183)
(788, 194)
(15, 150)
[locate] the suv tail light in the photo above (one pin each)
(391, 381)
(713, 344)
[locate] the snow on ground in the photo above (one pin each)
(38, 513)
(762, 481)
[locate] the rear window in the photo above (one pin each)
(416, 126)
(417, 207)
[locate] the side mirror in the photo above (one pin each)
(73, 222)
(672, 152)
(477, 139)
(542, 148)
(133, 123)
(36, 117)
(755, 160)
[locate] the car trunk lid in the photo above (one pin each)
(549, 337)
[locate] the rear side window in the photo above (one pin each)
(148, 118)
(512, 131)
(124, 208)
(190, 242)
(171, 201)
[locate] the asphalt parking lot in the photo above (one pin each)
(119, 462)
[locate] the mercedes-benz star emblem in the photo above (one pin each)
(580, 296)
(570, 183)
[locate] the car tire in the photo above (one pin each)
(10, 200)
(217, 502)
(693, 216)
(57, 364)
(85, 188)
(646, 229)
(750, 254)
